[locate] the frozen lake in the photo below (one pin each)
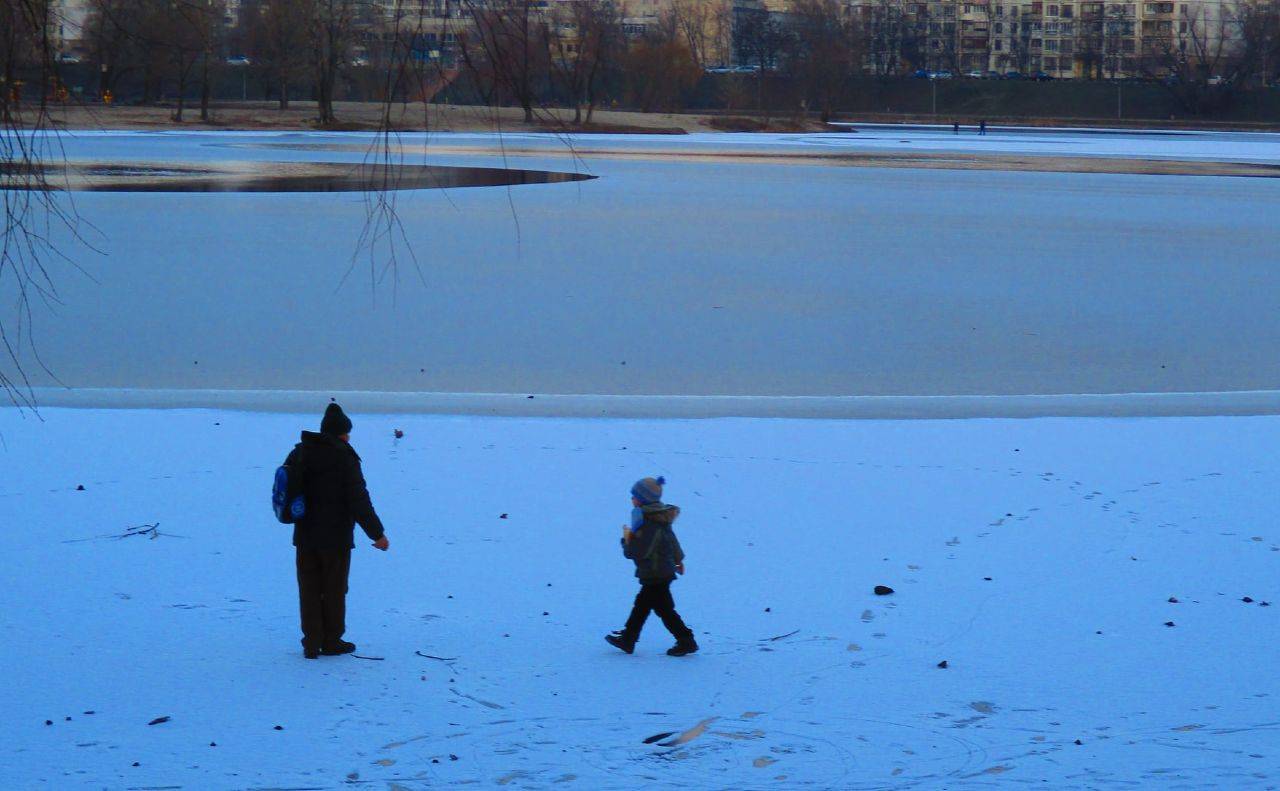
(685, 276)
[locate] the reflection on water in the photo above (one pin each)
(278, 177)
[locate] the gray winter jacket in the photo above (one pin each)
(654, 547)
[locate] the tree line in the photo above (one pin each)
(692, 54)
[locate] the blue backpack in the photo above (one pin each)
(286, 495)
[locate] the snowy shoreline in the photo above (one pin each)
(1237, 403)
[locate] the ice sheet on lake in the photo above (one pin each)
(1038, 558)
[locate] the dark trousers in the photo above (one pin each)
(656, 597)
(322, 595)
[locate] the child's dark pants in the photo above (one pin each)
(656, 597)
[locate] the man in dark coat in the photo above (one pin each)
(336, 499)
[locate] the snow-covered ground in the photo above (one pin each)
(1037, 558)
(668, 277)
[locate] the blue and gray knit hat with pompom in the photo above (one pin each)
(648, 490)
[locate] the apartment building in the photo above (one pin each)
(1060, 39)
(70, 19)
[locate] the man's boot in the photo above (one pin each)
(685, 645)
(623, 641)
(338, 648)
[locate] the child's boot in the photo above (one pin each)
(624, 641)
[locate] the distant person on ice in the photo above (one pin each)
(651, 542)
(336, 498)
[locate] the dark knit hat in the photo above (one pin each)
(648, 490)
(335, 421)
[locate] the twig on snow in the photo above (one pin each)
(151, 531)
(437, 658)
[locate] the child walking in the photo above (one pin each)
(651, 542)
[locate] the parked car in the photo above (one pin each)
(976, 74)
(941, 75)
(238, 60)
(922, 74)
(1013, 75)
(992, 75)
(1042, 76)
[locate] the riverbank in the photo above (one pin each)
(368, 116)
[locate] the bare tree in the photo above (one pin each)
(111, 28)
(584, 39)
(278, 35)
(661, 69)
(759, 40)
(332, 33)
(706, 27)
(827, 52)
(185, 30)
(508, 48)
(1259, 26)
(1197, 56)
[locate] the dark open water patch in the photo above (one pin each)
(272, 177)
